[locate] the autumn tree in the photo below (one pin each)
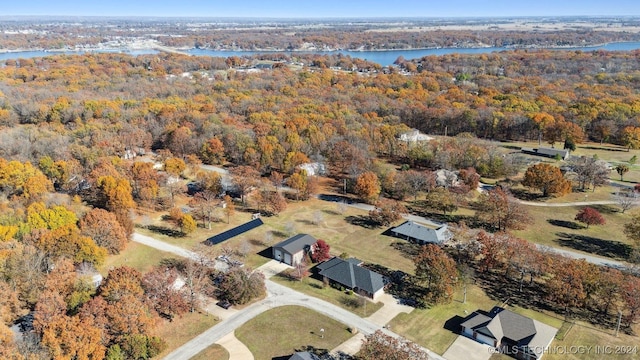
(622, 169)
(244, 178)
(162, 289)
(442, 199)
(241, 285)
(566, 285)
(229, 208)
(209, 181)
(367, 187)
(590, 216)
(212, 152)
(387, 212)
(174, 166)
(299, 182)
(187, 224)
(103, 227)
(631, 137)
(632, 229)
(23, 180)
(380, 346)
(437, 272)
(631, 298)
(204, 205)
(121, 281)
(67, 241)
(271, 202)
(498, 208)
(320, 251)
(144, 181)
(546, 178)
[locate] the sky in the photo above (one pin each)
(321, 8)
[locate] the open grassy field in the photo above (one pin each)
(183, 329)
(213, 352)
(435, 327)
(313, 287)
(281, 331)
(137, 256)
(556, 227)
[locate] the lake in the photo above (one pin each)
(383, 58)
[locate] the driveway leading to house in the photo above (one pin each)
(277, 295)
(467, 349)
(390, 310)
(237, 349)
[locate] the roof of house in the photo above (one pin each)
(217, 239)
(296, 243)
(350, 274)
(422, 232)
(304, 355)
(500, 323)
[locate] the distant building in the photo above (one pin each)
(313, 169)
(414, 136)
(547, 152)
(422, 233)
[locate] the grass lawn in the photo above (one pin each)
(137, 256)
(213, 352)
(341, 231)
(427, 326)
(586, 335)
(313, 287)
(182, 329)
(280, 331)
(556, 227)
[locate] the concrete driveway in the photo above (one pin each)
(467, 349)
(391, 309)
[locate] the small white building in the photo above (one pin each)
(414, 136)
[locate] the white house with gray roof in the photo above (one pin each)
(293, 250)
(351, 275)
(511, 333)
(423, 233)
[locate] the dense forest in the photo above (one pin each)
(87, 107)
(71, 124)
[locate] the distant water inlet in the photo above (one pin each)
(384, 58)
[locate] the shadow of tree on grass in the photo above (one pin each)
(565, 224)
(608, 248)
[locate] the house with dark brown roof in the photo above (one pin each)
(351, 275)
(511, 333)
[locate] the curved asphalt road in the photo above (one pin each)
(277, 295)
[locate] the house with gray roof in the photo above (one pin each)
(422, 233)
(351, 275)
(293, 250)
(304, 355)
(511, 333)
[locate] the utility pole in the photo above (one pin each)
(464, 298)
(619, 320)
(344, 189)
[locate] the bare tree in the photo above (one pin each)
(626, 200)
(317, 217)
(290, 228)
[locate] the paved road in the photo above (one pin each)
(277, 295)
(572, 254)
